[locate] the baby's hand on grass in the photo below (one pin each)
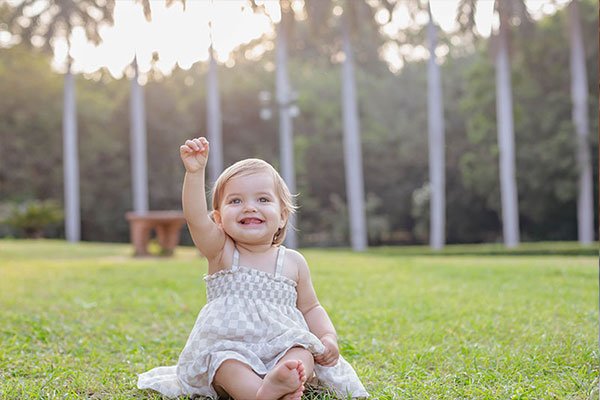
(194, 154)
(332, 352)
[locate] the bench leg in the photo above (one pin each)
(161, 237)
(168, 237)
(140, 237)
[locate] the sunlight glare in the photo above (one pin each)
(400, 20)
(178, 37)
(484, 17)
(182, 37)
(444, 13)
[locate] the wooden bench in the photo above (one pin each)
(166, 224)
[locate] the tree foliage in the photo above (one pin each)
(393, 118)
(41, 21)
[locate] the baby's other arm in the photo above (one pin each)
(208, 237)
(315, 315)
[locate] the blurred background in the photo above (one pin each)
(492, 139)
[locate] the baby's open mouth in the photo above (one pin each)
(251, 221)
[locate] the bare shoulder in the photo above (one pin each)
(295, 257)
(297, 264)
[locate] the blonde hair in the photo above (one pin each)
(251, 166)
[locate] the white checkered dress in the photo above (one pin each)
(250, 316)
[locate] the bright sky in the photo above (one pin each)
(178, 36)
(444, 14)
(182, 37)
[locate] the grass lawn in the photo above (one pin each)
(80, 321)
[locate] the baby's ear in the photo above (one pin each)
(216, 216)
(284, 218)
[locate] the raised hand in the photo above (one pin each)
(332, 352)
(194, 154)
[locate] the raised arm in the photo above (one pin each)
(208, 237)
(316, 317)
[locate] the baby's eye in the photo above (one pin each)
(235, 201)
(264, 200)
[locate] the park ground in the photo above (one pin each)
(471, 322)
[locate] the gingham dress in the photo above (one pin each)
(250, 316)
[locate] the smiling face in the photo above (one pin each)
(250, 210)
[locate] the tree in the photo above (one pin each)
(138, 134)
(138, 148)
(435, 114)
(435, 188)
(506, 135)
(547, 167)
(213, 115)
(394, 120)
(214, 120)
(35, 20)
(352, 146)
(355, 197)
(507, 10)
(579, 95)
(285, 102)
(213, 105)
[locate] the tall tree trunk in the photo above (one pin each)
(70, 160)
(579, 95)
(213, 116)
(138, 147)
(284, 100)
(435, 115)
(506, 139)
(352, 146)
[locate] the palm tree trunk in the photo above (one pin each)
(506, 140)
(70, 160)
(352, 146)
(138, 147)
(286, 140)
(579, 95)
(435, 117)
(213, 117)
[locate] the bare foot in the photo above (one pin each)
(285, 379)
(297, 395)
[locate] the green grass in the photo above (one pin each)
(80, 321)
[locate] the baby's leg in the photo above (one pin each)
(237, 379)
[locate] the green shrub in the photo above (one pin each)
(33, 217)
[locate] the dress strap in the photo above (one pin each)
(236, 259)
(279, 266)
